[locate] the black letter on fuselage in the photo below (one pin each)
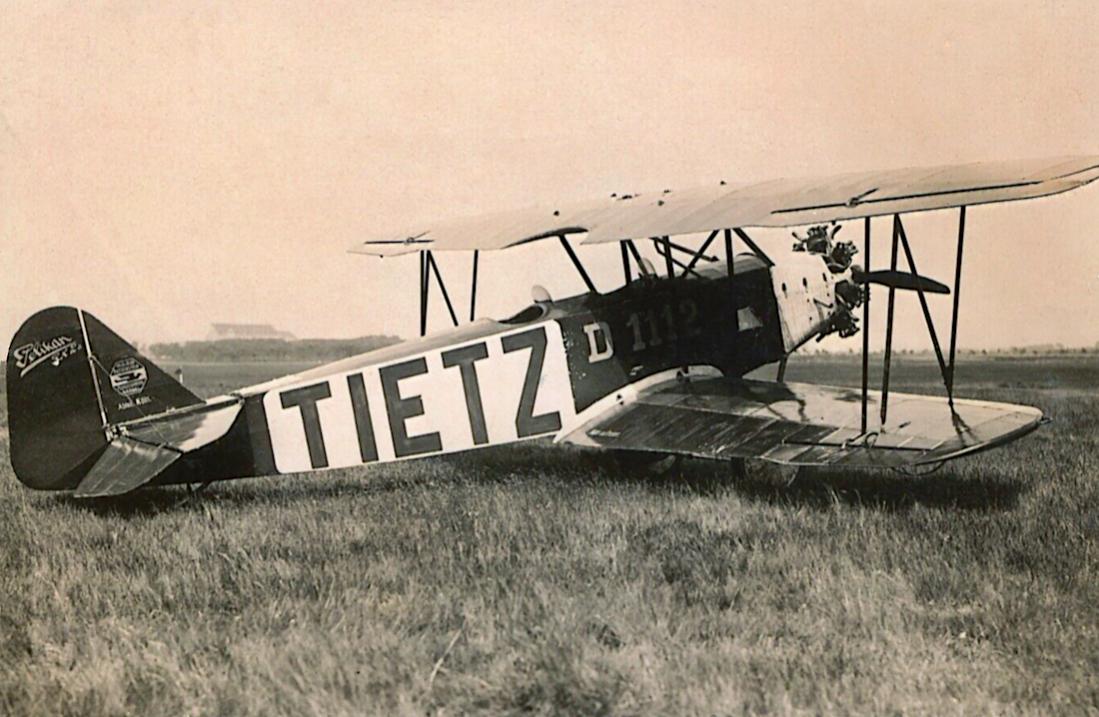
(400, 409)
(305, 398)
(464, 359)
(526, 423)
(368, 451)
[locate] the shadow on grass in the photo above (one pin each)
(954, 486)
(149, 501)
(818, 488)
(233, 494)
(822, 488)
(497, 465)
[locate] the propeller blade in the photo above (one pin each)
(900, 280)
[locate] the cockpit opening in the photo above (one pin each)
(535, 311)
(529, 314)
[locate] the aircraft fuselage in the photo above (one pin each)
(495, 382)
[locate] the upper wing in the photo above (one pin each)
(801, 424)
(777, 203)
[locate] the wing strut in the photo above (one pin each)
(866, 327)
(923, 300)
(730, 266)
(637, 257)
(664, 248)
(729, 251)
(423, 292)
(889, 326)
(695, 256)
(576, 262)
(946, 366)
(666, 252)
(753, 246)
(427, 267)
(701, 253)
(630, 249)
(473, 286)
(957, 291)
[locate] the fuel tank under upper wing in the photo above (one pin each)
(801, 424)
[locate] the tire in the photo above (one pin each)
(648, 464)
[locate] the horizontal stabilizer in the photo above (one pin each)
(188, 430)
(145, 449)
(125, 465)
(802, 424)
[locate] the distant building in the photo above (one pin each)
(221, 332)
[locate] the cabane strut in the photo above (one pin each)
(427, 268)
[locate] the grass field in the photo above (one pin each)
(536, 580)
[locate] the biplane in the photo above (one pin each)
(655, 367)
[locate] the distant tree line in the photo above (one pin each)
(1039, 350)
(303, 350)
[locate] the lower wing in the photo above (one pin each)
(801, 424)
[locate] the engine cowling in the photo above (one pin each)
(805, 291)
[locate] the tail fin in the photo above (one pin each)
(69, 377)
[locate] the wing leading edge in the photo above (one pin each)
(802, 424)
(776, 203)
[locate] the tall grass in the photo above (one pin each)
(545, 581)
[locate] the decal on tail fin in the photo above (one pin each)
(131, 385)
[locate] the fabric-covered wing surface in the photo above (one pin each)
(803, 424)
(776, 203)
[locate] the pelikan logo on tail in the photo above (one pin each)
(34, 354)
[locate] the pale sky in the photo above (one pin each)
(168, 165)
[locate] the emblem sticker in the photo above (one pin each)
(128, 377)
(34, 354)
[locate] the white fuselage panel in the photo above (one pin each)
(492, 389)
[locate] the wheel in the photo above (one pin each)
(647, 463)
(771, 472)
